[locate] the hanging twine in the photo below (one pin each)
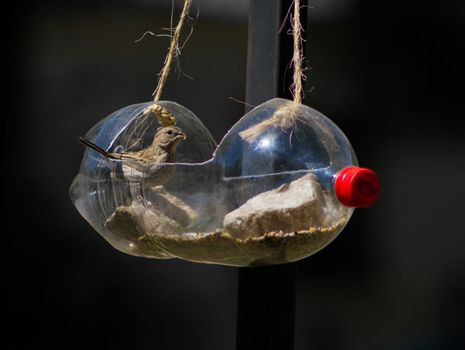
(173, 51)
(297, 58)
(285, 117)
(164, 116)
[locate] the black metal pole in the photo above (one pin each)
(266, 296)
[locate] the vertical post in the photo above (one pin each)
(266, 296)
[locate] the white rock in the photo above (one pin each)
(294, 206)
(134, 221)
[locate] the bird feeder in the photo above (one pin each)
(280, 186)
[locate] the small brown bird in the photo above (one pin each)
(144, 165)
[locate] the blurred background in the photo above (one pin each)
(391, 75)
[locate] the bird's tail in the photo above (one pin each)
(98, 149)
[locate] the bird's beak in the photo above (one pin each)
(181, 136)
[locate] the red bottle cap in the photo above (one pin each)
(357, 187)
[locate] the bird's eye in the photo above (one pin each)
(169, 132)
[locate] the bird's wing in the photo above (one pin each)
(131, 156)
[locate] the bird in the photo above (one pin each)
(149, 164)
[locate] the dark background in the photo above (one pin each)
(390, 74)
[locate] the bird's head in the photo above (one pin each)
(168, 137)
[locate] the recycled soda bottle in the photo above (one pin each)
(280, 186)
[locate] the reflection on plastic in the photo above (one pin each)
(265, 195)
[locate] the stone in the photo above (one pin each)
(134, 221)
(173, 207)
(291, 207)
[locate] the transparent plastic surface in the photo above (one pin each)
(263, 196)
